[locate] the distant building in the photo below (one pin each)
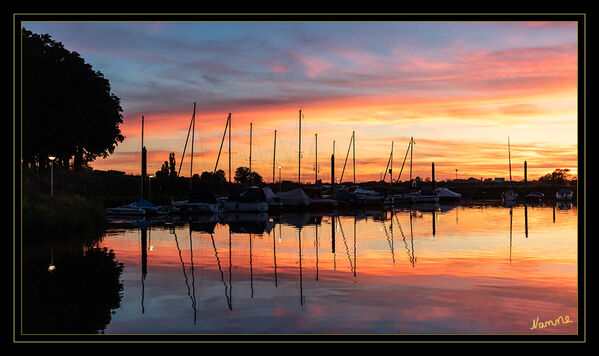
(499, 180)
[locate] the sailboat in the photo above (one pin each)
(141, 207)
(415, 195)
(198, 203)
(509, 195)
(296, 198)
(248, 199)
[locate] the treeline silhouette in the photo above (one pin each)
(68, 109)
(78, 296)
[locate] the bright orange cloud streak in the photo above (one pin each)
(528, 92)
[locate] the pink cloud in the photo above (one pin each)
(314, 66)
(278, 68)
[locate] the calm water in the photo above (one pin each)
(462, 270)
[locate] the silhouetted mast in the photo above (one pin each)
(333, 166)
(186, 139)
(221, 146)
(230, 123)
(193, 130)
(433, 174)
(525, 179)
(404, 161)
(143, 159)
(352, 140)
(250, 174)
(354, 155)
(316, 159)
(391, 167)
(411, 153)
(387, 169)
(299, 154)
(274, 153)
(509, 159)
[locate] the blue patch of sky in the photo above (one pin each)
(233, 59)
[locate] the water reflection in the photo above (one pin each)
(452, 277)
(189, 290)
(78, 295)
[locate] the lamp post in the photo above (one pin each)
(52, 267)
(381, 172)
(456, 174)
(51, 158)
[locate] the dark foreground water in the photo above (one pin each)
(451, 270)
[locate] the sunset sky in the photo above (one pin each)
(459, 88)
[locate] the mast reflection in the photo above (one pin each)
(191, 298)
(351, 265)
(525, 220)
(274, 252)
(299, 235)
(222, 277)
(144, 263)
(511, 215)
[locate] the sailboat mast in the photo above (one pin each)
(299, 154)
(411, 153)
(354, 154)
(274, 152)
(391, 168)
(333, 166)
(229, 147)
(509, 158)
(221, 143)
(193, 129)
(143, 158)
(250, 175)
(316, 159)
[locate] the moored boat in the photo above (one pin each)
(250, 199)
(564, 193)
(509, 196)
(201, 203)
(446, 194)
(295, 198)
(535, 196)
(370, 197)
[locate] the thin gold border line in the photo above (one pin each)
(295, 14)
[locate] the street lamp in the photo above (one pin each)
(456, 174)
(51, 158)
(381, 172)
(52, 267)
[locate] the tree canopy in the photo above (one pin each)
(68, 108)
(244, 176)
(558, 176)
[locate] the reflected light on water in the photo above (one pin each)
(492, 271)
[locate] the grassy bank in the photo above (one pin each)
(61, 217)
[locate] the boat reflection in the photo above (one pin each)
(287, 264)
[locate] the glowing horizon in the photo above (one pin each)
(459, 88)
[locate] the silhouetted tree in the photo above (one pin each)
(244, 176)
(68, 108)
(213, 179)
(171, 164)
(77, 297)
(559, 176)
(162, 175)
